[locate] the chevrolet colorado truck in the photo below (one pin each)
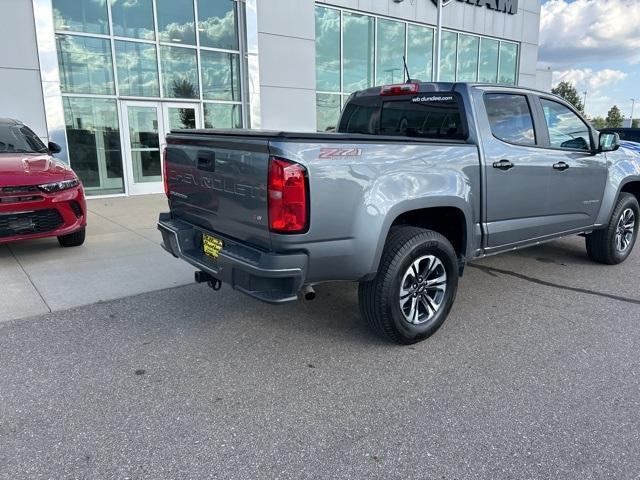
(418, 179)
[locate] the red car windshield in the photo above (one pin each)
(19, 139)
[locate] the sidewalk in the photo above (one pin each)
(121, 257)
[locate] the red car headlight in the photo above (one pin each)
(59, 186)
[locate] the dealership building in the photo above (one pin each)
(107, 79)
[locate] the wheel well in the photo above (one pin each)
(448, 221)
(633, 188)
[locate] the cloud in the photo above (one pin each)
(589, 31)
(589, 79)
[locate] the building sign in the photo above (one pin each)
(505, 6)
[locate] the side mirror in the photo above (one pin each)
(609, 142)
(54, 148)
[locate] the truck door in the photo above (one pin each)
(517, 171)
(578, 175)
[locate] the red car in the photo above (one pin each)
(39, 195)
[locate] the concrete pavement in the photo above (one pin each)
(536, 374)
(121, 256)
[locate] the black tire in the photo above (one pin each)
(74, 239)
(602, 244)
(380, 298)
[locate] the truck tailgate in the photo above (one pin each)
(219, 182)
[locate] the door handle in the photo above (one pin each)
(206, 161)
(562, 166)
(503, 165)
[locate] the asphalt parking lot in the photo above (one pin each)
(536, 374)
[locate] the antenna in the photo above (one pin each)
(406, 70)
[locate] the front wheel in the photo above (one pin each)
(614, 244)
(410, 297)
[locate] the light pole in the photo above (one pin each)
(438, 40)
(584, 103)
(633, 104)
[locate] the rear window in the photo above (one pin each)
(424, 115)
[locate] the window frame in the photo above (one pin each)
(532, 110)
(545, 127)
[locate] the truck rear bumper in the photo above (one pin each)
(270, 277)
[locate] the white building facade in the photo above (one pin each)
(107, 79)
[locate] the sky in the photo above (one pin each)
(595, 44)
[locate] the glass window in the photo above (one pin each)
(510, 118)
(328, 107)
(391, 37)
(217, 24)
(137, 69)
(222, 115)
(426, 119)
(89, 16)
(357, 51)
(179, 72)
(17, 139)
(467, 58)
(220, 75)
(176, 21)
(327, 49)
(420, 53)
(508, 63)
(132, 18)
(448, 60)
(566, 129)
(93, 137)
(85, 65)
(489, 60)
(181, 117)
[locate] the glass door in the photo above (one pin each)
(146, 125)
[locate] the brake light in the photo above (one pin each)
(288, 209)
(399, 89)
(165, 172)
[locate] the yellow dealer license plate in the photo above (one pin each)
(211, 245)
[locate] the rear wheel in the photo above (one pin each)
(614, 244)
(74, 239)
(414, 289)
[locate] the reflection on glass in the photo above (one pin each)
(389, 66)
(420, 53)
(327, 49)
(222, 115)
(94, 143)
(508, 63)
(510, 118)
(217, 24)
(132, 18)
(137, 69)
(357, 51)
(489, 60)
(181, 117)
(145, 143)
(328, 107)
(176, 21)
(179, 72)
(220, 75)
(448, 60)
(89, 16)
(467, 58)
(85, 65)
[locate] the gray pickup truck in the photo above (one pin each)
(419, 179)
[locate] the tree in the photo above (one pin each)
(614, 118)
(635, 123)
(599, 123)
(567, 91)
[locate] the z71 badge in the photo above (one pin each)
(340, 152)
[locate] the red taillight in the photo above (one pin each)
(288, 210)
(165, 172)
(399, 89)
